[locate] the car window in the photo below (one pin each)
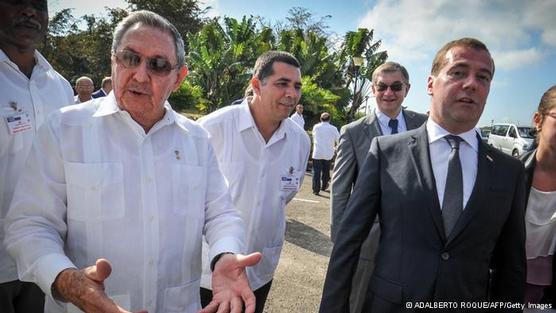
(526, 132)
(512, 133)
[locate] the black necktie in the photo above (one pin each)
(452, 205)
(393, 124)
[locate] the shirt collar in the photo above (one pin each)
(40, 61)
(436, 132)
(108, 106)
(245, 117)
(385, 118)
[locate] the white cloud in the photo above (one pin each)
(414, 30)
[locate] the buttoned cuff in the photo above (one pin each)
(225, 245)
(47, 269)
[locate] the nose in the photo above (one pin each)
(28, 9)
(141, 74)
(292, 92)
(471, 82)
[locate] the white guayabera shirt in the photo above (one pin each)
(263, 177)
(96, 185)
(24, 104)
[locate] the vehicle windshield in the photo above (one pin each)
(526, 132)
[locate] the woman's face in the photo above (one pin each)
(546, 126)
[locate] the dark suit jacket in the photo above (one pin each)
(529, 162)
(415, 261)
(99, 93)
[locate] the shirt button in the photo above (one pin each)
(151, 262)
(94, 188)
(445, 256)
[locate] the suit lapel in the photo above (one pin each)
(419, 147)
(409, 120)
(372, 128)
(479, 194)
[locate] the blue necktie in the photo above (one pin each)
(393, 124)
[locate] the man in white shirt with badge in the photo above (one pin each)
(263, 156)
(27, 86)
(325, 139)
(297, 116)
(131, 182)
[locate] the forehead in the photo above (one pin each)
(284, 70)
(468, 56)
(148, 41)
(388, 77)
(84, 82)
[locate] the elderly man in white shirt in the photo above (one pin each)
(263, 156)
(297, 116)
(325, 139)
(28, 83)
(131, 182)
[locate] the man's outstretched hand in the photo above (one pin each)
(85, 288)
(230, 287)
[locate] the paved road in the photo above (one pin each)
(297, 285)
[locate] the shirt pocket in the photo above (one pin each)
(187, 185)
(95, 191)
(10, 144)
(182, 299)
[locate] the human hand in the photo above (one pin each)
(85, 288)
(230, 287)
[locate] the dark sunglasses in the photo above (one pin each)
(394, 87)
(40, 5)
(157, 65)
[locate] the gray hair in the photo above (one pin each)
(153, 20)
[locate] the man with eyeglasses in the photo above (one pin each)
(450, 207)
(263, 155)
(28, 83)
(390, 87)
(128, 190)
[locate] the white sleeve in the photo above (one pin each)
(35, 225)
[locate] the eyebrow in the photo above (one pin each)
(467, 66)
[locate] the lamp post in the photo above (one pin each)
(357, 62)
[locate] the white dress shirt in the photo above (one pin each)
(440, 151)
(255, 171)
(298, 119)
(384, 119)
(325, 138)
(30, 99)
(143, 201)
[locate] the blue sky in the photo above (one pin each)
(520, 34)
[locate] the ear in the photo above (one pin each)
(373, 89)
(256, 86)
(430, 82)
(181, 76)
(407, 89)
(537, 119)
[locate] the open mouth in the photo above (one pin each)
(466, 100)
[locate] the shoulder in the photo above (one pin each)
(76, 114)
(296, 131)
(415, 115)
(222, 115)
(357, 124)
(193, 128)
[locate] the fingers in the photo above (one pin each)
(249, 300)
(210, 308)
(250, 259)
(100, 271)
(236, 306)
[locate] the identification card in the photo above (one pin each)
(18, 123)
(290, 182)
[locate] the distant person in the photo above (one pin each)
(450, 207)
(390, 86)
(106, 87)
(123, 186)
(263, 156)
(84, 87)
(540, 215)
(297, 116)
(28, 83)
(325, 139)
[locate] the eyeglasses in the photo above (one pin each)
(157, 66)
(397, 86)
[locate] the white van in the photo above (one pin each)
(511, 139)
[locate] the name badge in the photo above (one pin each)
(18, 123)
(290, 182)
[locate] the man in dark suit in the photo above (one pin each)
(106, 87)
(390, 87)
(450, 208)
